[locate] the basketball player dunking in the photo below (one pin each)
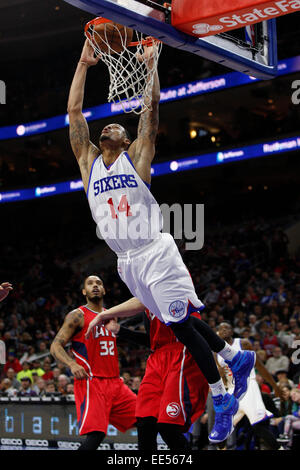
(101, 397)
(116, 177)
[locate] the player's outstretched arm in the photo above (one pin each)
(130, 308)
(142, 150)
(136, 337)
(84, 150)
(73, 322)
(5, 289)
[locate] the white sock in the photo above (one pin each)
(217, 388)
(228, 352)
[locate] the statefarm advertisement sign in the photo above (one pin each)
(204, 18)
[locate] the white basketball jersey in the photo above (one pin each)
(126, 213)
(236, 344)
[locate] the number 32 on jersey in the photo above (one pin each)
(107, 348)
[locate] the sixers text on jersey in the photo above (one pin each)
(114, 182)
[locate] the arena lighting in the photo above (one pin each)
(187, 90)
(166, 168)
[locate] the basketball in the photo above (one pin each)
(116, 35)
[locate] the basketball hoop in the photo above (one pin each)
(131, 79)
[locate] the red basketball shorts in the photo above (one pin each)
(173, 389)
(100, 402)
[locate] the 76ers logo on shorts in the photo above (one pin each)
(177, 309)
(173, 410)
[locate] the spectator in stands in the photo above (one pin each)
(40, 387)
(48, 375)
(283, 380)
(42, 349)
(36, 368)
(252, 324)
(256, 344)
(56, 373)
(135, 384)
(267, 298)
(7, 390)
(50, 388)
(63, 381)
(29, 355)
(287, 403)
(212, 295)
(11, 375)
(277, 361)
(70, 389)
(25, 389)
(264, 388)
(25, 372)
(239, 328)
(126, 378)
(270, 341)
(292, 421)
(12, 362)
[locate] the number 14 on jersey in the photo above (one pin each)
(122, 207)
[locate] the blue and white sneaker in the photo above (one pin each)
(241, 366)
(225, 408)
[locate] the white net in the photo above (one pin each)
(131, 73)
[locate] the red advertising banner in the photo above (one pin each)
(202, 18)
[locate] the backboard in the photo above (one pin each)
(153, 19)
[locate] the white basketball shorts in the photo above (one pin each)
(252, 405)
(158, 277)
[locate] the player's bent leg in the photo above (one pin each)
(240, 362)
(173, 436)
(198, 347)
(214, 341)
(147, 434)
(225, 405)
(92, 441)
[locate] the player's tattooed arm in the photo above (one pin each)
(74, 321)
(79, 134)
(142, 150)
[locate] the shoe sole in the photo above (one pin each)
(239, 398)
(213, 441)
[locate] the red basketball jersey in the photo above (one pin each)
(161, 334)
(98, 354)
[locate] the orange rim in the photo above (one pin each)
(99, 20)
